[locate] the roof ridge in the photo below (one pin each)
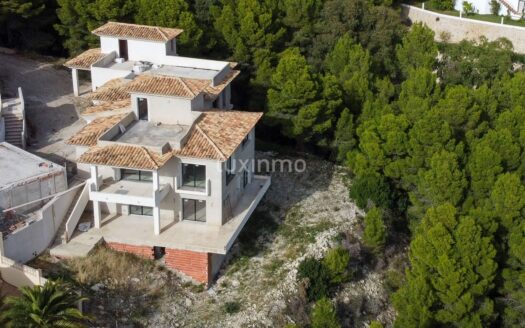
(186, 86)
(210, 141)
(155, 164)
(159, 29)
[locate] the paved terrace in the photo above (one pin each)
(195, 236)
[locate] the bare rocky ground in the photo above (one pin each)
(48, 92)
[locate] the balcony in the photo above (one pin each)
(129, 192)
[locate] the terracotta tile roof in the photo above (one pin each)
(217, 134)
(133, 157)
(212, 92)
(89, 134)
(162, 85)
(108, 106)
(134, 31)
(85, 59)
(112, 91)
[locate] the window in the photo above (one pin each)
(194, 176)
(244, 179)
(136, 175)
(140, 210)
(230, 170)
(142, 104)
(193, 210)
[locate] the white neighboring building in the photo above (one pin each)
(513, 8)
(172, 173)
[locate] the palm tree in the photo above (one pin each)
(51, 305)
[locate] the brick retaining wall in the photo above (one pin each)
(142, 251)
(197, 265)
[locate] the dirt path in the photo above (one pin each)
(50, 113)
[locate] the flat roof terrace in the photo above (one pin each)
(17, 165)
(150, 134)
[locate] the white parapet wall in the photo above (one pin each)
(458, 29)
(20, 275)
(29, 241)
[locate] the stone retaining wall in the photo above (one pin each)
(462, 28)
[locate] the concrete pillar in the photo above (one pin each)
(94, 187)
(74, 73)
(156, 208)
(96, 214)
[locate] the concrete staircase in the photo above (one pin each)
(61, 237)
(13, 114)
(14, 127)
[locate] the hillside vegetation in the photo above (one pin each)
(432, 136)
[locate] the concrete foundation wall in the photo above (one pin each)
(462, 28)
(28, 242)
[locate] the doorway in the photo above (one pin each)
(142, 104)
(123, 49)
(158, 252)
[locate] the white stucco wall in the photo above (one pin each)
(168, 110)
(37, 236)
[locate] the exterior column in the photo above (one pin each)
(156, 208)
(96, 204)
(74, 73)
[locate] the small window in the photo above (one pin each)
(194, 210)
(244, 179)
(230, 170)
(140, 210)
(136, 175)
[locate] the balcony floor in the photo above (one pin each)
(195, 236)
(128, 187)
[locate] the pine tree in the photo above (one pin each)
(452, 273)
(375, 234)
(417, 49)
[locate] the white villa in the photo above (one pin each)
(512, 8)
(171, 164)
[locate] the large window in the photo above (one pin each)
(136, 175)
(140, 210)
(194, 210)
(194, 176)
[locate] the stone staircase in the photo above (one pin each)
(509, 7)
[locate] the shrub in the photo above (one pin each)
(468, 8)
(442, 4)
(232, 307)
(318, 276)
(373, 188)
(336, 261)
(375, 230)
(375, 324)
(495, 7)
(393, 280)
(323, 315)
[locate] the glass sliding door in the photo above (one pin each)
(194, 210)
(136, 175)
(140, 210)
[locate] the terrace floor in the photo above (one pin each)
(195, 236)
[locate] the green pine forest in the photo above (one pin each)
(433, 134)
